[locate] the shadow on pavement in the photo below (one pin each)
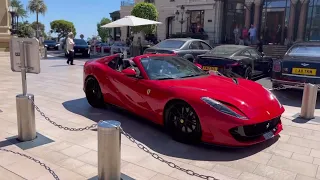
(157, 139)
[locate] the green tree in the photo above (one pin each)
(25, 30)
(21, 11)
(62, 28)
(38, 7)
(34, 25)
(146, 11)
(104, 33)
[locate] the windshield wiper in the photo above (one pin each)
(165, 78)
(192, 75)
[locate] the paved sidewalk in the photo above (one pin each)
(295, 155)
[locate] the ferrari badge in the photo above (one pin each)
(148, 91)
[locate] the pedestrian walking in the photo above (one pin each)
(245, 34)
(70, 50)
(252, 34)
(236, 33)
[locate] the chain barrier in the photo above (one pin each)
(171, 164)
(141, 146)
(55, 176)
(61, 126)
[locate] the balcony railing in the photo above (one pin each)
(127, 3)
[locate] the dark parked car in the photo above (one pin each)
(51, 44)
(242, 61)
(81, 48)
(300, 64)
(184, 47)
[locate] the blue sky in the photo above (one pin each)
(85, 14)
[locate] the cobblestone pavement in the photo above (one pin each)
(295, 155)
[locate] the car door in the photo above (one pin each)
(197, 48)
(257, 58)
(130, 90)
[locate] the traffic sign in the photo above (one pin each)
(27, 50)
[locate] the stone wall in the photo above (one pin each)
(4, 25)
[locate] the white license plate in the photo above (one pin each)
(268, 135)
(78, 53)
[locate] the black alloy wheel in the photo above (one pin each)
(248, 73)
(183, 122)
(93, 93)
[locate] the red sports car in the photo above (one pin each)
(192, 104)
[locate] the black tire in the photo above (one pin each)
(275, 85)
(93, 93)
(189, 57)
(248, 73)
(186, 128)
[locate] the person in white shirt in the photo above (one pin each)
(70, 50)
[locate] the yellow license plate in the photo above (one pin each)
(304, 71)
(210, 68)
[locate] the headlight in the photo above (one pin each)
(273, 97)
(57, 44)
(222, 108)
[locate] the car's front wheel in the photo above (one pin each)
(182, 122)
(93, 93)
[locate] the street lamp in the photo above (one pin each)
(182, 11)
(13, 12)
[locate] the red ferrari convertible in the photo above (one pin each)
(192, 104)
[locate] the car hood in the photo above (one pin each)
(81, 46)
(245, 95)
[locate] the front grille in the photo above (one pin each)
(255, 131)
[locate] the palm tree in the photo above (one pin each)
(21, 12)
(37, 6)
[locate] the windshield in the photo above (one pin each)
(119, 44)
(49, 41)
(224, 50)
(171, 44)
(80, 42)
(170, 67)
(308, 50)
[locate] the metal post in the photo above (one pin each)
(45, 53)
(24, 103)
(102, 50)
(309, 101)
(23, 54)
(94, 50)
(109, 150)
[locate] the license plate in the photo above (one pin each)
(78, 53)
(268, 135)
(304, 71)
(210, 68)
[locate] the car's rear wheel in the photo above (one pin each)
(93, 93)
(183, 122)
(248, 73)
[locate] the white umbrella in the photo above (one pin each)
(130, 21)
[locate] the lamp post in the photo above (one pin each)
(13, 12)
(182, 12)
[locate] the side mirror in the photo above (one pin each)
(129, 72)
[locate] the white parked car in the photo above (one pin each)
(118, 47)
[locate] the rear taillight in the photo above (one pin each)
(276, 66)
(233, 64)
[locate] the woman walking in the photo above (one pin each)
(70, 50)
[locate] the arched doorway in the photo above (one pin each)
(169, 24)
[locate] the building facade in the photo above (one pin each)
(4, 25)
(276, 21)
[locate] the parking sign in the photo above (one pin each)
(32, 56)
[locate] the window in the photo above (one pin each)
(224, 50)
(205, 46)
(300, 50)
(196, 21)
(254, 53)
(194, 45)
(113, 64)
(80, 42)
(246, 53)
(170, 44)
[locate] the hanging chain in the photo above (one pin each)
(171, 164)
(55, 176)
(60, 126)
